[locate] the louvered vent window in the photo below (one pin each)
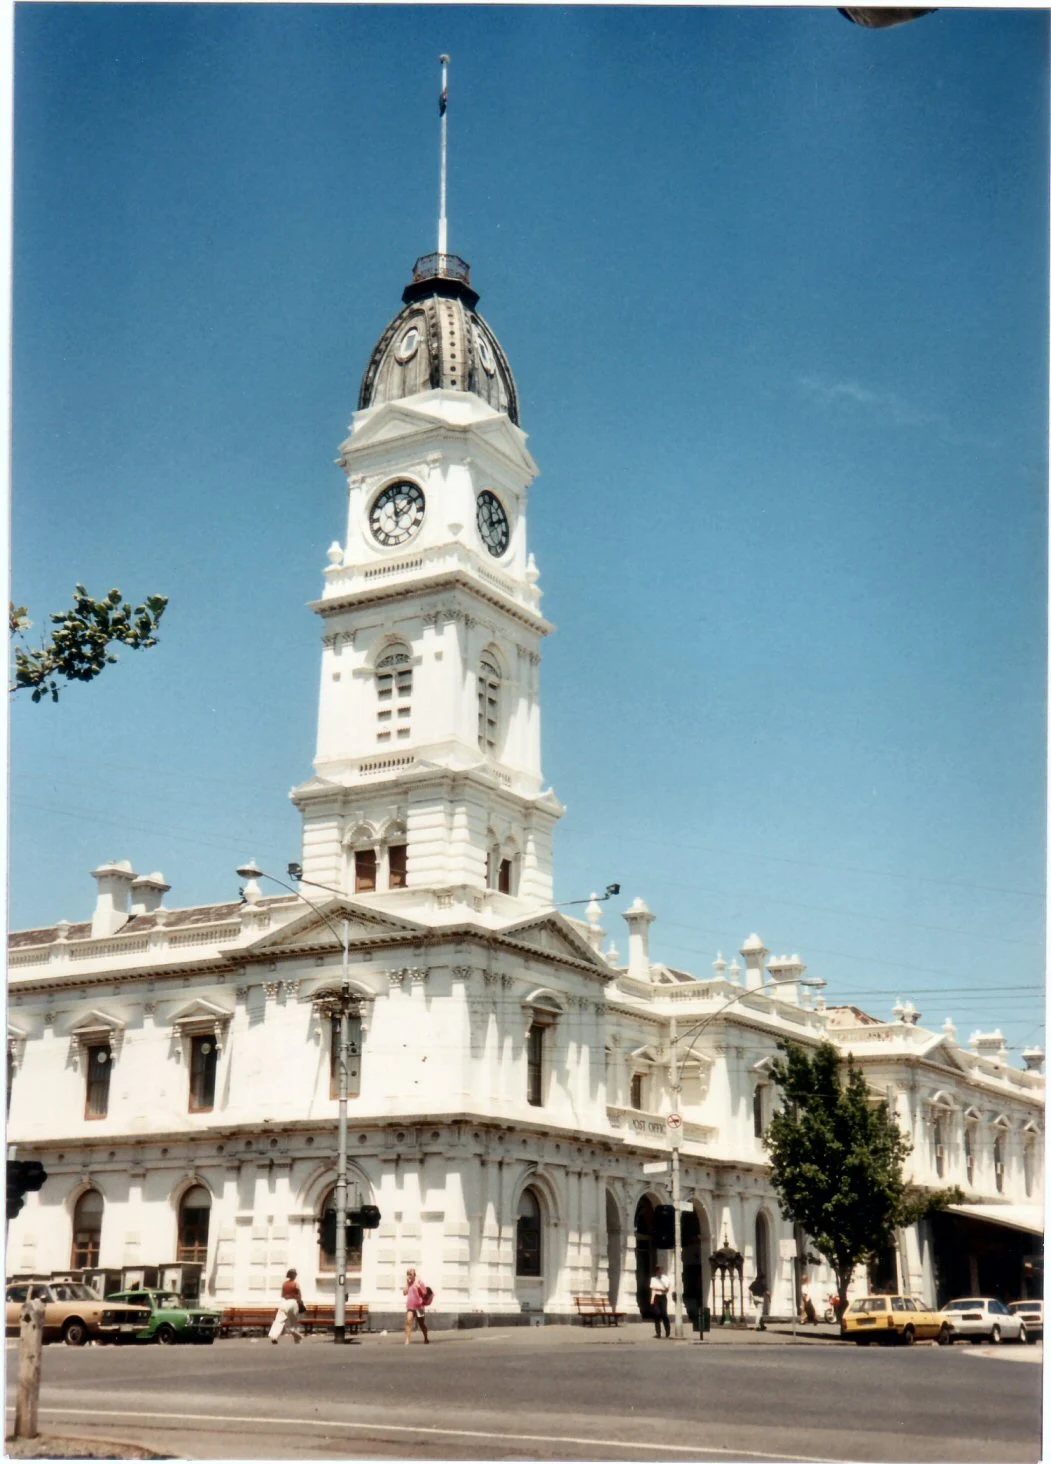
(393, 697)
(488, 704)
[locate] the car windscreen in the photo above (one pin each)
(72, 1291)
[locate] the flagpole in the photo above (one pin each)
(443, 223)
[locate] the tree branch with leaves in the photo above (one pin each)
(78, 648)
(837, 1161)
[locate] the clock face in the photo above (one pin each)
(397, 514)
(492, 524)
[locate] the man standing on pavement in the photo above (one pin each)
(659, 1286)
(760, 1294)
(286, 1318)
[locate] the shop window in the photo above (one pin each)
(204, 1056)
(99, 1062)
(528, 1235)
(194, 1214)
(87, 1229)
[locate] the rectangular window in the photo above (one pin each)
(353, 1058)
(535, 1066)
(364, 871)
(203, 1058)
(397, 860)
(99, 1060)
(636, 1090)
(504, 881)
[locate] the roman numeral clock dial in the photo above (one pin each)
(397, 514)
(492, 524)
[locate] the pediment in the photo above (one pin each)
(323, 929)
(554, 936)
(200, 1010)
(944, 1056)
(96, 1021)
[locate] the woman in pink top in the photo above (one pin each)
(413, 1291)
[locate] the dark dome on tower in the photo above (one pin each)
(439, 340)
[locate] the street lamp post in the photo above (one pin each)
(331, 1007)
(675, 1134)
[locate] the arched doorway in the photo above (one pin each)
(195, 1210)
(762, 1248)
(645, 1252)
(614, 1248)
(87, 1229)
(696, 1248)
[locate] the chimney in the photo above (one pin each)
(114, 882)
(785, 971)
(1033, 1057)
(755, 954)
(147, 892)
(639, 921)
(989, 1044)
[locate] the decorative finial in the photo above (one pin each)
(443, 107)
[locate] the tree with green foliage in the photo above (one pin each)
(78, 647)
(837, 1161)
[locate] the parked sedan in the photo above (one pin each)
(984, 1319)
(73, 1313)
(1032, 1313)
(886, 1319)
(170, 1319)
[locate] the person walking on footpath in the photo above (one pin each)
(760, 1294)
(418, 1296)
(659, 1285)
(286, 1318)
(808, 1312)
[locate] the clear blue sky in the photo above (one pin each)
(774, 289)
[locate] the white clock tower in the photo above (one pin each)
(427, 791)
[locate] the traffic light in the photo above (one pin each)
(23, 1175)
(368, 1217)
(664, 1227)
(326, 1232)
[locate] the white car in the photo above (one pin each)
(984, 1319)
(1032, 1313)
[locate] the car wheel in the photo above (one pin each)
(945, 1337)
(206, 1341)
(166, 1334)
(1032, 1337)
(994, 1335)
(863, 1341)
(75, 1332)
(908, 1337)
(1023, 1335)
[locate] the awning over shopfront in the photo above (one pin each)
(1029, 1218)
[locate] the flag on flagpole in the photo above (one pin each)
(443, 101)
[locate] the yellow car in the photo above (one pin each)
(887, 1319)
(73, 1313)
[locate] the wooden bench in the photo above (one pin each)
(241, 1320)
(592, 1309)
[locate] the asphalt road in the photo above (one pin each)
(559, 1393)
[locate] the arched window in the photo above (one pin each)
(998, 1163)
(528, 1256)
(327, 1247)
(488, 703)
(762, 1247)
(87, 1229)
(194, 1211)
(393, 696)
(939, 1147)
(1028, 1165)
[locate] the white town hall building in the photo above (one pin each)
(174, 1070)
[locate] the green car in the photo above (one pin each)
(172, 1321)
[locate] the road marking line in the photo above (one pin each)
(382, 1426)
